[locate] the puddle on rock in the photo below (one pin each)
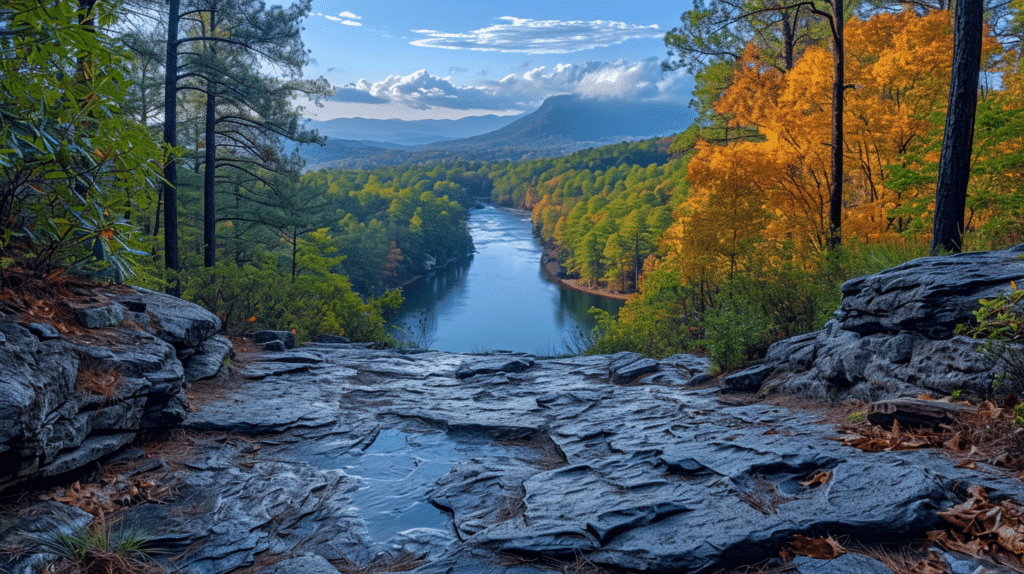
(397, 469)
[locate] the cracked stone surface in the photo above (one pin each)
(894, 334)
(504, 463)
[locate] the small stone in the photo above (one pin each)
(286, 337)
(100, 317)
(42, 331)
(749, 380)
(632, 371)
(274, 345)
(700, 379)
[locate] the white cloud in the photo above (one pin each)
(538, 36)
(639, 81)
(346, 18)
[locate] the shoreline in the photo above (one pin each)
(550, 265)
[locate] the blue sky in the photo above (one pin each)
(453, 58)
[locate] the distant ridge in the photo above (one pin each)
(409, 133)
(562, 125)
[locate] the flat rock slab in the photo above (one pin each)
(367, 452)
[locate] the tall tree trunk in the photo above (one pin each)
(210, 172)
(835, 211)
(958, 139)
(171, 259)
(209, 181)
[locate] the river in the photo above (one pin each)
(498, 300)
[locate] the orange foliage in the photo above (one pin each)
(898, 66)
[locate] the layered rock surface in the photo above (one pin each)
(894, 334)
(138, 342)
(503, 463)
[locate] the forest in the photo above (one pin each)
(735, 238)
(210, 204)
(149, 142)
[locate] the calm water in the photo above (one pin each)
(500, 299)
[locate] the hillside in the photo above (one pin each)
(562, 125)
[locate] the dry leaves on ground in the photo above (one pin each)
(988, 434)
(984, 528)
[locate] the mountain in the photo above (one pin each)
(409, 133)
(562, 125)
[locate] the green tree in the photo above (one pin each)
(72, 165)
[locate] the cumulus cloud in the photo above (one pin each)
(346, 18)
(642, 80)
(538, 36)
(355, 94)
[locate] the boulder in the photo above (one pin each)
(285, 337)
(103, 316)
(67, 402)
(894, 333)
(181, 323)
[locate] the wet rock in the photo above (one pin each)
(748, 380)
(49, 427)
(700, 379)
(274, 346)
(285, 337)
(843, 564)
(208, 361)
(497, 364)
(687, 364)
(894, 333)
(552, 463)
(42, 331)
(632, 371)
(181, 323)
(46, 519)
(99, 317)
(311, 564)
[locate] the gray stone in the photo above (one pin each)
(632, 371)
(698, 380)
(45, 520)
(286, 337)
(494, 364)
(842, 564)
(100, 317)
(48, 427)
(894, 333)
(43, 331)
(274, 346)
(208, 361)
(552, 463)
(311, 564)
(748, 380)
(181, 323)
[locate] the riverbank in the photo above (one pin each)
(552, 268)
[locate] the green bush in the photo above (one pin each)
(999, 322)
(258, 296)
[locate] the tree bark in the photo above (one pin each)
(958, 138)
(835, 211)
(171, 259)
(209, 181)
(210, 171)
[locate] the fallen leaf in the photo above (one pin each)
(817, 548)
(818, 479)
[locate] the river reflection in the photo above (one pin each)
(500, 299)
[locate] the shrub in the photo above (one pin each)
(999, 322)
